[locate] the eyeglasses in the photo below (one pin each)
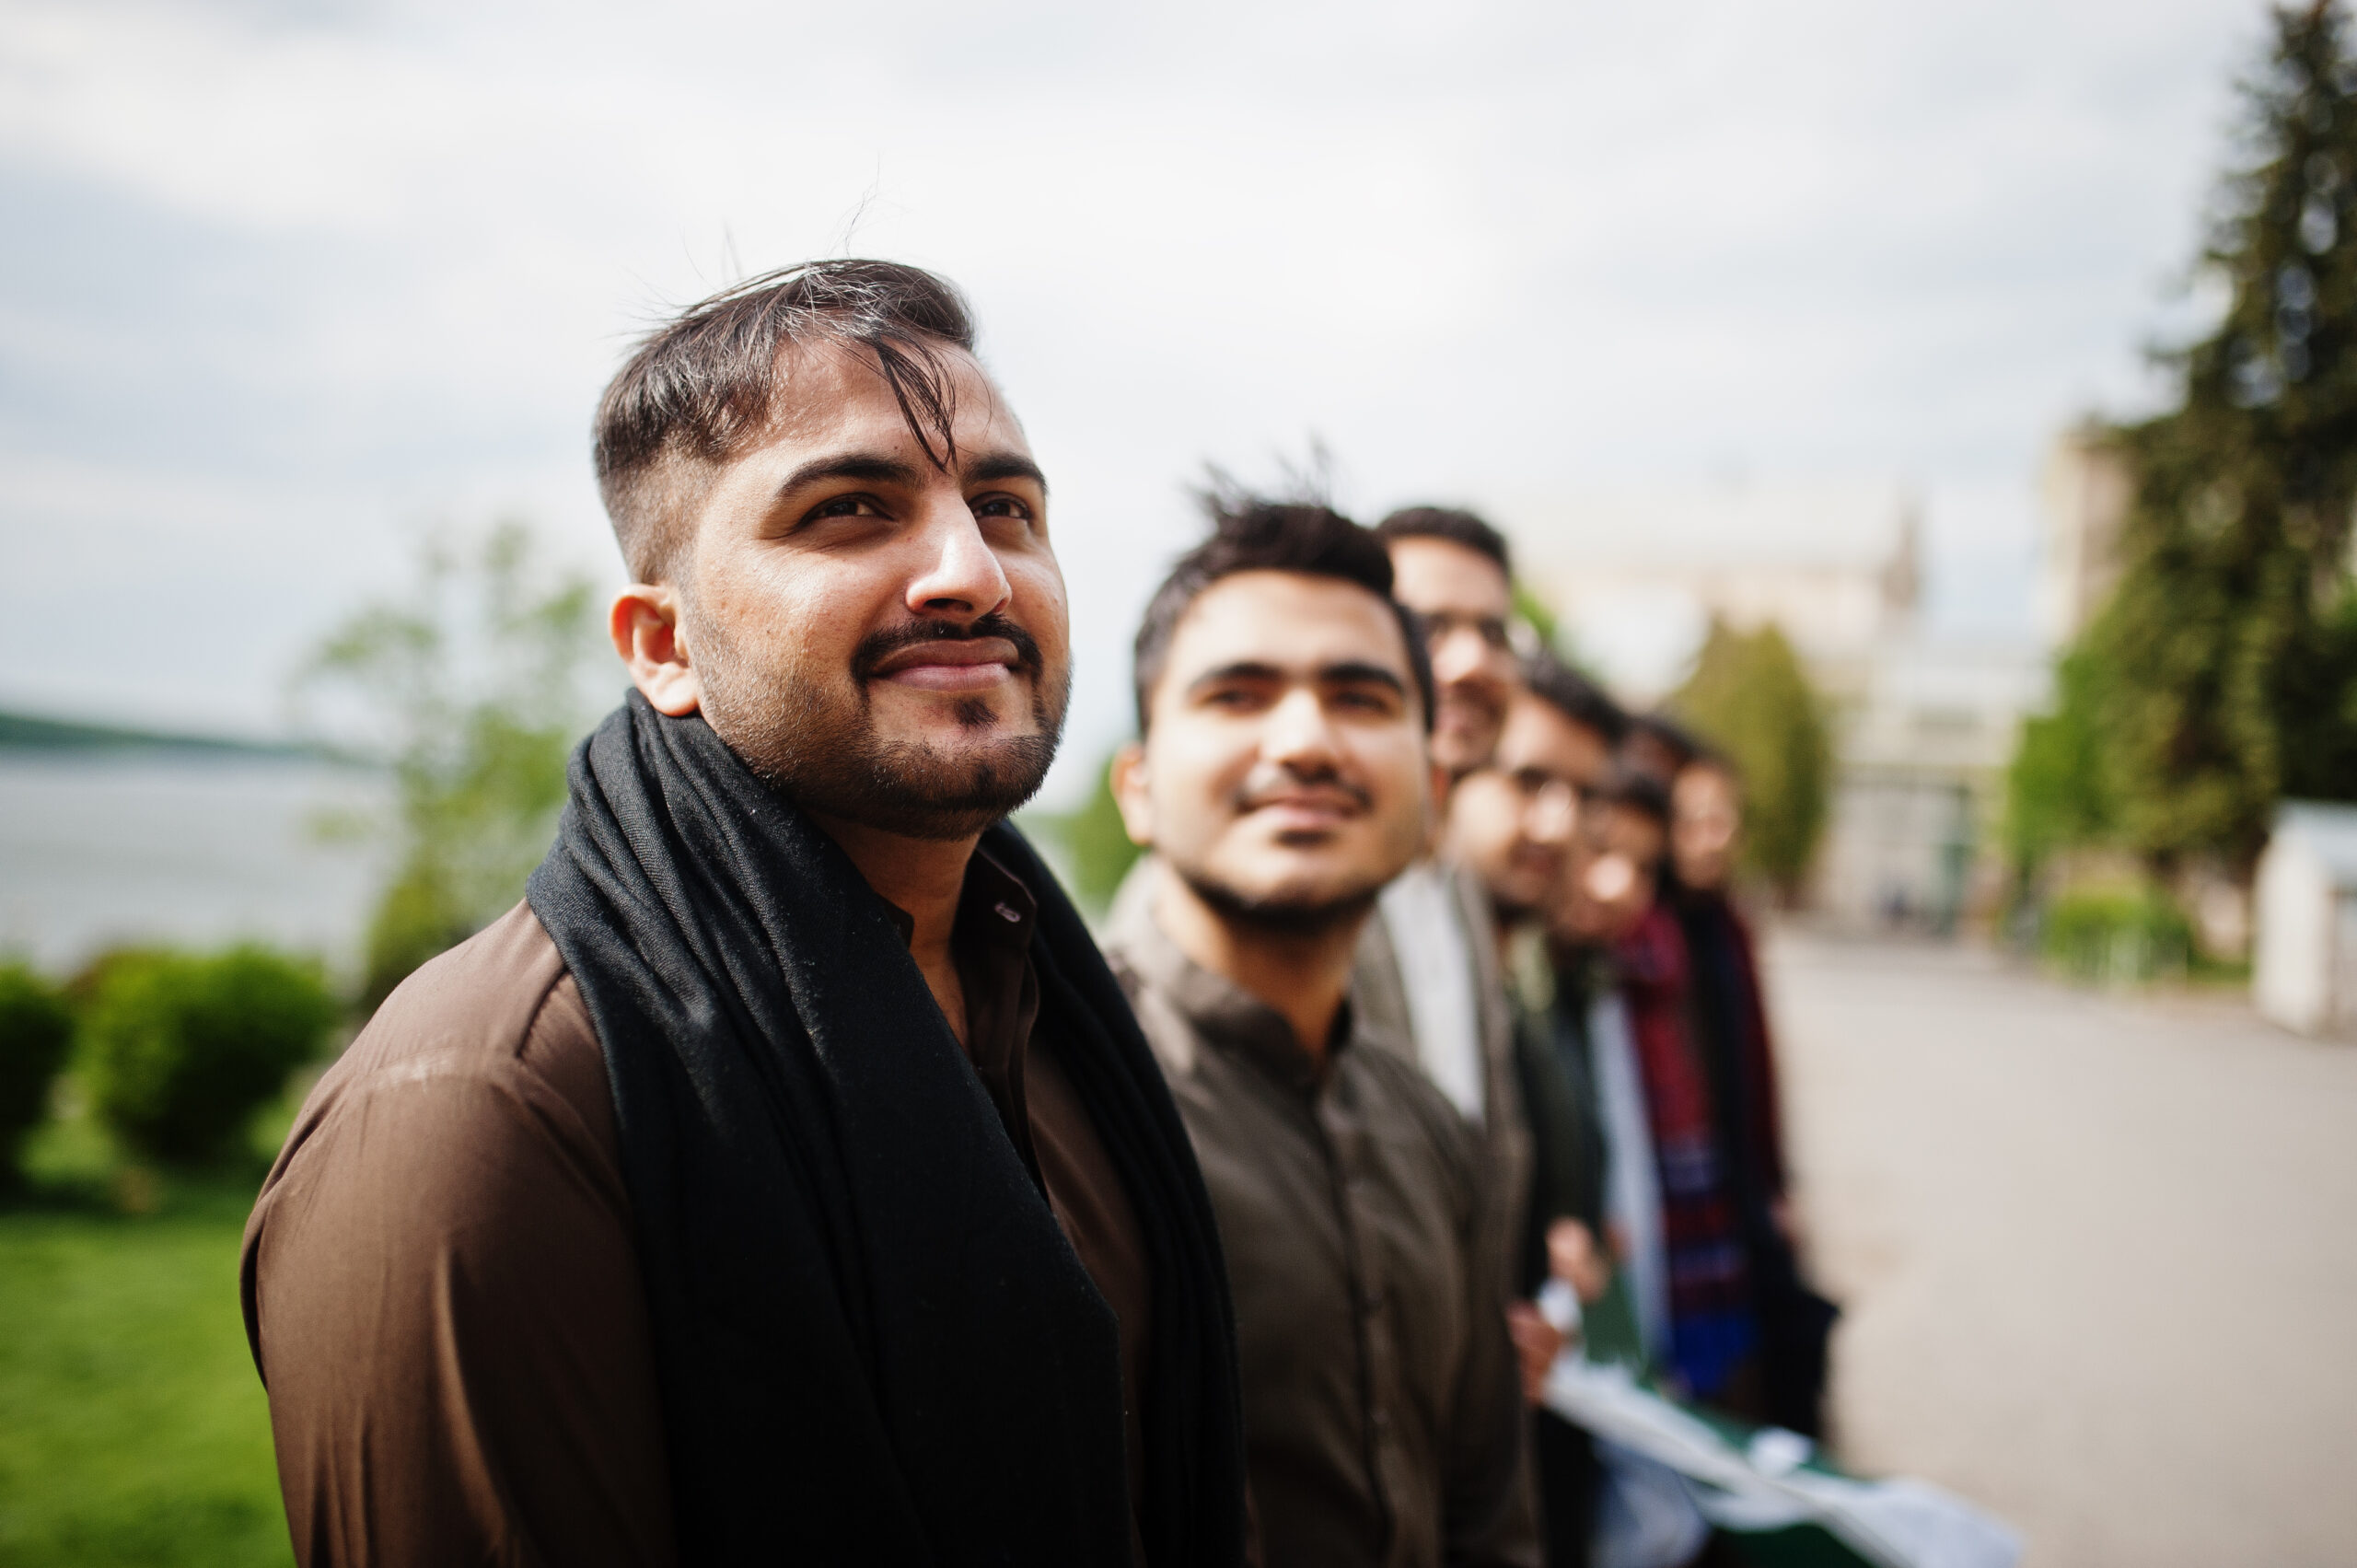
(1493, 631)
(1551, 802)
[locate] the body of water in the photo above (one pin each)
(98, 848)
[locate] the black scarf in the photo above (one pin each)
(873, 1342)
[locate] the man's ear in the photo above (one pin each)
(1440, 811)
(1130, 792)
(645, 624)
(1440, 792)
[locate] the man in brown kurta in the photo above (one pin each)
(1283, 778)
(479, 1348)
(1381, 1409)
(786, 1179)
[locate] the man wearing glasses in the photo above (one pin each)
(1517, 826)
(1429, 981)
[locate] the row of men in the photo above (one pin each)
(1447, 1021)
(789, 1177)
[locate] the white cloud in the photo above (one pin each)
(379, 258)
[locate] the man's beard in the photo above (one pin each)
(1293, 915)
(1288, 914)
(819, 748)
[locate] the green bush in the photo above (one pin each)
(2118, 938)
(35, 1029)
(182, 1050)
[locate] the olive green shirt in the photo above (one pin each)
(1383, 1419)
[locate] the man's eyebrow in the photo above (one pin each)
(1242, 670)
(1348, 672)
(1357, 672)
(1004, 465)
(871, 467)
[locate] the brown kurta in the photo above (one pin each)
(441, 1286)
(1383, 1418)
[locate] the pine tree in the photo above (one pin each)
(2231, 645)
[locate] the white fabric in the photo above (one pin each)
(1631, 1182)
(1756, 1487)
(1433, 949)
(1644, 1517)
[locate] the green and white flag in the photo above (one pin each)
(1768, 1487)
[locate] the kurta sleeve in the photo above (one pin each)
(1491, 1518)
(444, 1301)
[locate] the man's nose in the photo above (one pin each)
(960, 577)
(1554, 815)
(1297, 732)
(1458, 652)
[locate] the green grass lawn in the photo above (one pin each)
(133, 1429)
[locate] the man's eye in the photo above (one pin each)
(847, 506)
(1363, 702)
(1002, 506)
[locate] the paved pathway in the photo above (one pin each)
(2099, 1255)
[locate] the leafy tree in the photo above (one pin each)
(2057, 792)
(2232, 634)
(471, 687)
(1749, 697)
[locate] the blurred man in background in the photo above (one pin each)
(1428, 977)
(1711, 1348)
(1605, 937)
(1658, 747)
(1515, 824)
(786, 1181)
(1282, 779)
(1731, 1029)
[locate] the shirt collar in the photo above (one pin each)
(994, 907)
(1225, 1015)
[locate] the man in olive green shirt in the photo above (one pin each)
(1284, 777)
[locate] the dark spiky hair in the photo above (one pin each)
(1638, 791)
(1454, 524)
(1575, 696)
(1251, 534)
(703, 385)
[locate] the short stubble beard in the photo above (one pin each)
(819, 748)
(1296, 917)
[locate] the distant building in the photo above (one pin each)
(2304, 969)
(1637, 574)
(1923, 728)
(2084, 497)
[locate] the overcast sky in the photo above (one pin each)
(281, 284)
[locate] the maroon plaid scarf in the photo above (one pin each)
(1711, 1323)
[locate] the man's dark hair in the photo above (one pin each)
(1575, 696)
(1640, 792)
(1451, 523)
(1676, 744)
(700, 388)
(1250, 534)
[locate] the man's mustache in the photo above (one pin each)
(875, 649)
(1266, 788)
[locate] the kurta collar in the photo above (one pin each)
(1224, 1013)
